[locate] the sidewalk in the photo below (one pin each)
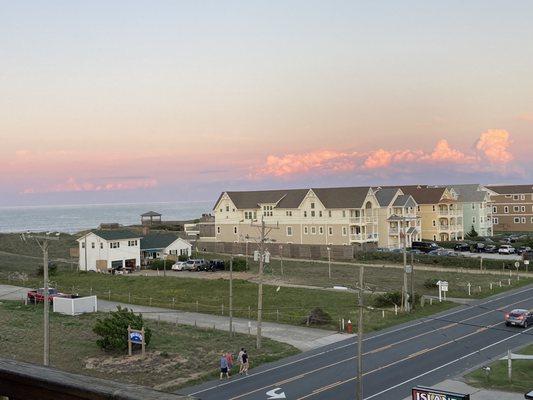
(300, 337)
(453, 385)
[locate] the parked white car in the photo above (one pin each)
(179, 266)
(506, 249)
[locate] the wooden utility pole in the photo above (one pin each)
(42, 240)
(405, 295)
(359, 394)
(329, 261)
(281, 258)
(231, 296)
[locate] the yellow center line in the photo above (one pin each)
(373, 352)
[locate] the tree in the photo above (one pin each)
(113, 329)
(472, 233)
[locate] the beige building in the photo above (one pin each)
(512, 208)
(397, 218)
(328, 216)
(440, 212)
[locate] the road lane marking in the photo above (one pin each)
(447, 364)
(415, 323)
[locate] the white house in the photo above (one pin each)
(156, 245)
(109, 249)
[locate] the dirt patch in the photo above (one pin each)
(176, 383)
(157, 362)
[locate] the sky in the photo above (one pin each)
(114, 101)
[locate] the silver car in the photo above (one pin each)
(519, 317)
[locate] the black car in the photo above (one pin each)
(462, 247)
(213, 265)
(424, 247)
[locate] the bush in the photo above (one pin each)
(430, 283)
(239, 264)
(183, 258)
(113, 329)
(388, 299)
(160, 264)
(52, 270)
(317, 316)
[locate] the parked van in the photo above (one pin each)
(424, 247)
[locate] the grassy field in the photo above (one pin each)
(176, 355)
(383, 278)
(288, 305)
(522, 375)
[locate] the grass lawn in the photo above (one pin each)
(522, 375)
(177, 354)
(383, 278)
(288, 305)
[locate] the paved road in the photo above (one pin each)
(424, 352)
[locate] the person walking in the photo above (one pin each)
(245, 362)
(223, 366)
(229, 359)
(239, 359)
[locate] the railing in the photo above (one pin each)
(363, 220)
(451, 213)
(20, 380)
(393, 231)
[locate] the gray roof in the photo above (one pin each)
(151, 214)
(511, 189)
(424, 195)
(469, 193)
(344, 197)
(116, 234)
(158, 240)
(404, 200)
(385, 196)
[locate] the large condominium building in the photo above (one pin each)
(440, 212)
(477, 213)
(512, 208)
(398, 221)
(336, 216)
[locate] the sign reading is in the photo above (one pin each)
(424, 393)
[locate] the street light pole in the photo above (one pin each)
(359, 395)
(281, 258)
(260, 286)
(405, 299)
(329, 261)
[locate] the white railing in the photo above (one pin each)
(452, 213)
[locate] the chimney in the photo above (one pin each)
(146, 230)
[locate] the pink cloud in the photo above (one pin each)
(494, 146)
(72, 185)
(528, 117)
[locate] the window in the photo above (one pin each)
(532, 220)
(508, 196)
(330, 229)
(82, 245)
(289, 231)
(235, 230)
(218, 230)
(473, 206)
(132, 243)
(255, 214)
(227, 208)
(313, 213)
(306, 230)
(418, 208)
(221, 210)
(434, 237)
(114, 245)
(523, 220)
(473, 220)
(288, 213)
(320, 213)
(523, 208)
(515, 197)
(343, 213)
(433, 208)
(101, 245)
(313, 230)
(434, 223)
(93, 245)
(506, 209)
(516, 220)
(495, 220)
(494, 209)
(312, 205)
(344, 231)
(516, 208)
(305, 214)
(329, 213)
(321, 230)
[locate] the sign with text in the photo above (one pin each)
(424, 393)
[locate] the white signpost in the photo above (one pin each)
(443, 288)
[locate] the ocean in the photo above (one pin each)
(74, 218)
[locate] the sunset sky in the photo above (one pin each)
(134, 101)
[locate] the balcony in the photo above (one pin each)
(450, 228)
(373, 219)
(361, 237)
(394, 231)
(443, 212)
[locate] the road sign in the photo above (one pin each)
(273, 395)
(517, 265)
(408, 268)
(424, 393)
(526, 262)
(443, 285)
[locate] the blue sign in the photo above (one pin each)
(136, 337)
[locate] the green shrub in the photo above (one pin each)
(113, 329)
(388, 299)
(52, 270)
(239, 264)
(183, 258)
(160, 264)
(430, 283)
(317, 316)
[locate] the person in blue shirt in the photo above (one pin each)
(224, 366)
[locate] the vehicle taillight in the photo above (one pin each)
(506, 316)
(521, 317)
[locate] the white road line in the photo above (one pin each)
(364, 339)
(447, 364)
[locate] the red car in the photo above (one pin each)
(37, 295)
